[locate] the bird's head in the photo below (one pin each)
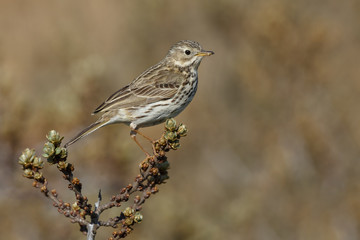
(186, 53)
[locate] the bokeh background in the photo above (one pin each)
(274, 130)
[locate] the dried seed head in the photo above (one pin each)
(71, 167)
(44, 189)
(126, 197)
(162, 153)
(154, 171)
(82, 213)
(154, 190)
(157, 146)
(129, 187)
(147, 195)
(144, 166)
(75, 181)
(54, 193)
(137, 199)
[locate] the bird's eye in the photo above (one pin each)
(187, 52)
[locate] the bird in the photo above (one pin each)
(159, 93)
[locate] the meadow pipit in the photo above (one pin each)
(159, 93)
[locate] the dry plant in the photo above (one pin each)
(153, 171)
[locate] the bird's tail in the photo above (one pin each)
(93, 127)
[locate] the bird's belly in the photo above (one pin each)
(157, 113)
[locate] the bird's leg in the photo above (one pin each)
(148, 138)
(135, 131)
(133, 136)
(144, 136)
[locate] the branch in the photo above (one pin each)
(152, 172)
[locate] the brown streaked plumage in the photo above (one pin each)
(159, 93)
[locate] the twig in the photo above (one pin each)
(153, 171)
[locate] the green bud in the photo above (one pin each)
(27, 157)
(128, 211)
(38, 163)
(49, 149)
(75, 206)
(138, 217)
(129, 221)
(57, 150)
(175, 145)
(171, 136)
(38, 176)
(162, 141)
(170, 124)
(63, 153)
(182, 130)
(54, 137)
(62, 165)
(28, 173)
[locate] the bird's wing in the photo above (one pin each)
(147, 89)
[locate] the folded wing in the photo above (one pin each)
(144, 90)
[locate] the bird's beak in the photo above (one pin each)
(205, 53)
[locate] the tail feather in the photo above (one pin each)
(93, 127)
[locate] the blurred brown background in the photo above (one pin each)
(273, 145)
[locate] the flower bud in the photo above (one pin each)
(38, 162)
(49, 149)
(27, 157)
(57, 150)
(138, 217)
(75, 206)
(154, 171)
(63, 153)
(128, 212)
(171, 136)
(28, 173)
(129, 221)
(182, 130)
(162, 141)
(54, 137)
(175, 145)
(62, 165)
(170, 124)
(38, 176)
